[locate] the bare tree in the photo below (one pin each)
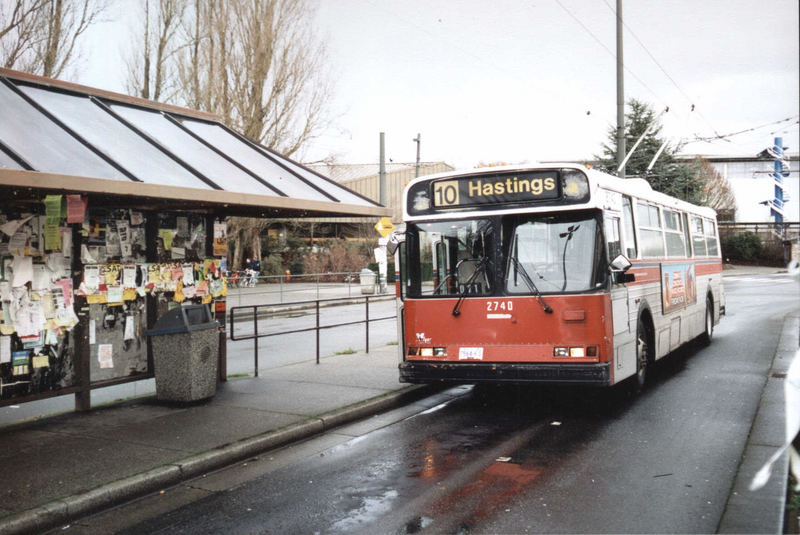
(41, 36)
(716, 191)
(245, 234)
(18, 32)
(257, 64)
(150, 67)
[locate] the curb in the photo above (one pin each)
(762, 510)
(65, 509)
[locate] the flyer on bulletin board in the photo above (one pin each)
(52, 237)
(220, 238)
(53, 209)
(76, 208)
(5, 349)
(105, 356)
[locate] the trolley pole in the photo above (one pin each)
(620, 97)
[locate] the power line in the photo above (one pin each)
(663, 70)
(439, 37)
(752, 129)
(612, 54)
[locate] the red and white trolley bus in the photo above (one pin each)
(556, 274)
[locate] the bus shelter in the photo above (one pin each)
(112, 212)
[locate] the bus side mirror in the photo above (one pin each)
(620, 264)
(394, 241)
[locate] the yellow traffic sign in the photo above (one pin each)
(384, 226)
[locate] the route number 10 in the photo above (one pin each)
(445, 193)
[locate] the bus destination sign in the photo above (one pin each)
(495, 189)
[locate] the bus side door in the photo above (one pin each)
(624, 346)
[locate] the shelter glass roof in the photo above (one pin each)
(7, 162)
(133, 152)
(73, 131)
(253, 159)
(45, 146)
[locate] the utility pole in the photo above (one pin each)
(382, 172)
(417, 141)
(620, 97)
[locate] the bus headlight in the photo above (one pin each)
(428, 351)
(575, 185)
(575, 352)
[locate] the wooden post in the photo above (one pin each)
(81, 362)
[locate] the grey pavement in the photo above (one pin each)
(62, 467)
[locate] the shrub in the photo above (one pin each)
(373, 266)
(742, 246)
(272, 265)
(771, 254)
(335, 256)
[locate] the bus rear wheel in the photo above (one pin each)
(643, 355)
(708, 331)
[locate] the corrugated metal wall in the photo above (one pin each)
(369, 186)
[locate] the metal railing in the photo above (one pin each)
(278, 288)
(767, 231)
(267, 310)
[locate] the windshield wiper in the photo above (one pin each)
(480, 268)
(531, 286)
(568, 235)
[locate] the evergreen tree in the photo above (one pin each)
(669, 175)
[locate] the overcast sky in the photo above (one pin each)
(519, 81)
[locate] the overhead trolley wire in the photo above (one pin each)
(752, 129)
(612, 54)
(663, 70)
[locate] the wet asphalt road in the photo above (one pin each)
(518, 460)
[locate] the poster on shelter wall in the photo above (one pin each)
(678, 286)
(220, 238)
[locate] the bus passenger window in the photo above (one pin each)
(612, 237)
(711, 237)
(630, 235)
(698, 239)
(652, 237)
(673, 234)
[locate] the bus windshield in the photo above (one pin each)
(557, 252)
(508, 255)
(450, 258)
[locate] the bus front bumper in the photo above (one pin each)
(505, 372)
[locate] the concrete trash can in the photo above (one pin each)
(185, 347)
(367, 280)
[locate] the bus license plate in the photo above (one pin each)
(470, 353)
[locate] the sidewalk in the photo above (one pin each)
(762, 510)
(735, 270)
(58, 468)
